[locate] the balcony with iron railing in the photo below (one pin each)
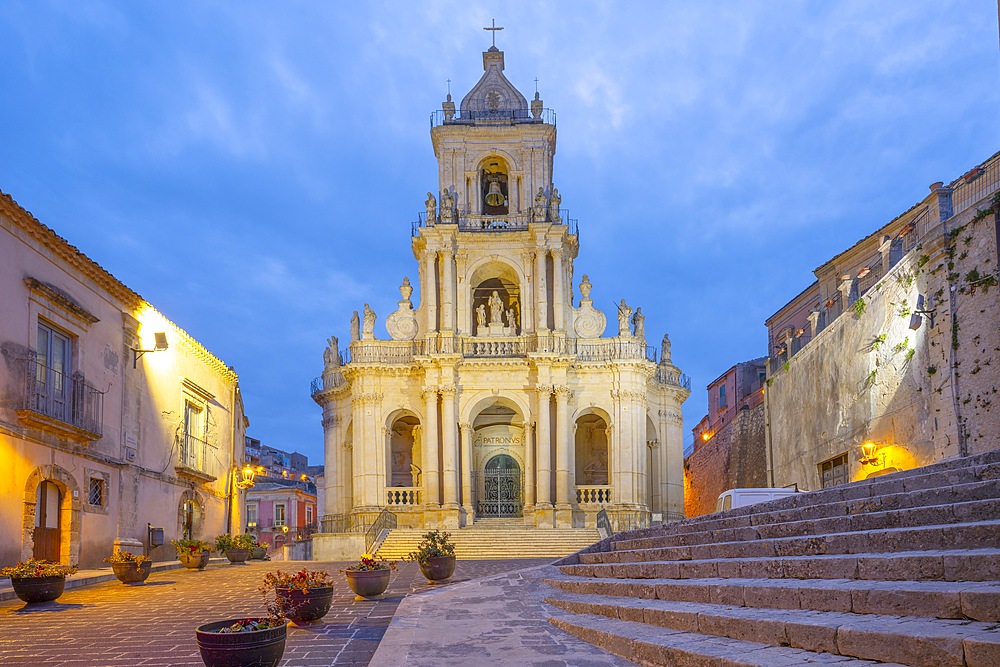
(440, 117)
(666, 375)
(52, 400)
(194, 460)
(508, 222)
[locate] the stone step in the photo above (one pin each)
(918, 642)
(634, 641)
(961, 512)
(977, 601)
(934, 565)
(972, 535)
(486, 543)
(775, 512)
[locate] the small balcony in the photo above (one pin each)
(59, 403)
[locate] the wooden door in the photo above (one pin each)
(47, 529)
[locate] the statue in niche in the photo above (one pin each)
(431, 205)
(481, 315)
(496, 308)
(541, 204)
(665, 349)
(624, 316)
(368, 327)
(639, 322)
(511, 322)
(331, 357)
(355, 326)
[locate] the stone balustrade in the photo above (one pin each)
(397, 496)
(593, 495)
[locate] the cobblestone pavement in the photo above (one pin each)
(110, 624)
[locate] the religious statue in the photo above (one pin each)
(665, 349)
(481, 315)
(431, 205)
(638, 321)
(555, 201)
(496, 308)
(541, 203)
(368, 327)
(447, 206)
(510, 319)
(331, 356)
(355, 326)
(624, 315)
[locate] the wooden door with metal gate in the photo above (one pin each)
(501, 488)
(47, 534)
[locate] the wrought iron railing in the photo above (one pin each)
(976, 185)
(329, 381)
(593, 495)
(492, 117)
(666, 375)
(506, 222)
(342, 523)
(194, 452)
(65, 398)
(403, 495)
(385, 520)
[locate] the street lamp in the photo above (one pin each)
(246, 475)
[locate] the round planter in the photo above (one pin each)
(305, 607)
(39, 589)
(196, 561)
(130, 573)
(258, 553)
(237, 555)
(367, 583)
(260, 648)
(438, 568)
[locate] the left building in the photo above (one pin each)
(112, 418)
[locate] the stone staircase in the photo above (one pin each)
(902, 570)
(492, 539)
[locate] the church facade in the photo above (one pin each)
(498, 396)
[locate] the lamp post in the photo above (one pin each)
(239, 478)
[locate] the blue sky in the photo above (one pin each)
(252, 168)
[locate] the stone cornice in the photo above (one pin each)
(60, 299)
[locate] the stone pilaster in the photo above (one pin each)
(428, 290)
(449, 456)
(564, 460)
(543, 458)
(432, 497)
(541, 298)
(467, 504)
(448, 289)
(558, 291)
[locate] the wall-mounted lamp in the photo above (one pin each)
(929, 311)
(245, 478)
(160, 346)
(870, 455)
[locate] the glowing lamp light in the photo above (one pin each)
(869, 455)
(706, 436)
(245, 479)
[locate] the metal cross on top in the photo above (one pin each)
(493, 30)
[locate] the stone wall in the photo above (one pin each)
(733, 458)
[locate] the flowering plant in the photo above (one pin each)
(252, 624)
(37, 568)
(227, 541)
(126, 558)
(369, 563)
(262, 545)
(433, 545)
(192, 547)
(302, 580)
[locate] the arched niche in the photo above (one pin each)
(495, 283)
(190, 516)
(494, 186)
(404, 450)
(69, 512)
(592, 449)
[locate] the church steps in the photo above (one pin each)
(670, 648)
(920, 642)
(904, 567)
(941, 514)
(970, 535)
(977, 601)
(484, 543)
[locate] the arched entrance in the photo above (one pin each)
(502, 488)
(47, 533)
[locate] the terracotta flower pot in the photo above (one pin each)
(194, 561)
(260, 648)
(304, 607)
(130, 573)
(39, 589)
(438, 568)
(368, 583)
(237, 555)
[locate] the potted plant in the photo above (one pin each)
(303, 596)
(236, 547)
(436, 556)
(193, 554)
(38, 580)
(258, 641)
(130, 568)
(370, 577)
(259, 551)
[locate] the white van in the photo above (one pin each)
(743, 497)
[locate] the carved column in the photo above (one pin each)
(448, 289)
(466, 465)
(357, 453)
(529, 466)
(463, 303)
(541, 300)
(416, 476)
(558, 286)
(432, 497)
(449, 448)
(528, 293)
(564, 458)
(429, 290)
(543, 450)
